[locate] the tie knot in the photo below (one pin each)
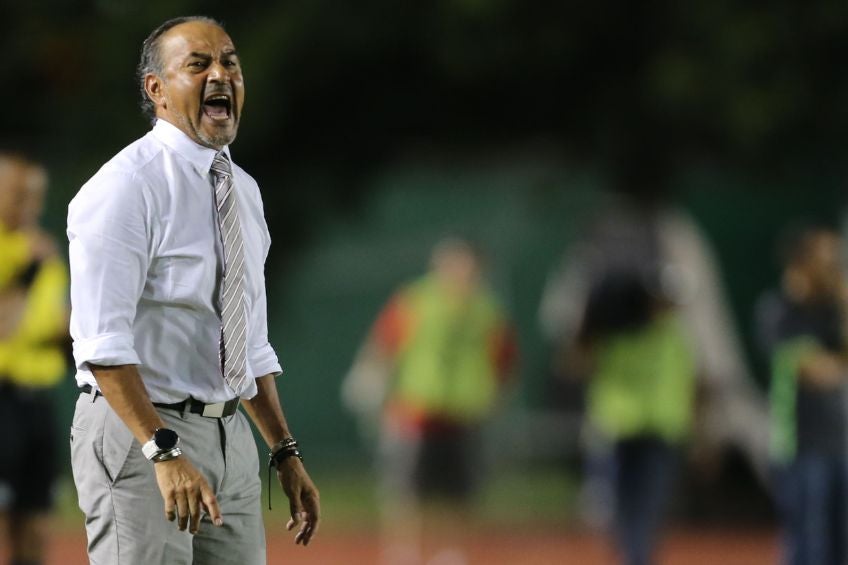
(221, 165)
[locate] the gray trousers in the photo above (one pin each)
(124, 512)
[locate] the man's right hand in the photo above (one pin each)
(186, 494)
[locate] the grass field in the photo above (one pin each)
(523, 518)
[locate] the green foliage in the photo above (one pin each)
(342, 86)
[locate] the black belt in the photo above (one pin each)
(88, 389)
(214, 410)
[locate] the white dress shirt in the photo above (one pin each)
(145, 258)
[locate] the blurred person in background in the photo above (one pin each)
(431, 372)
(641, 369)
(33, 336)
(637, 307)
(802, 329)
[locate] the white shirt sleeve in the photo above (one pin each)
(108, 236)
(261, 356)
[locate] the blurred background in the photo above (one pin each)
(375, 128)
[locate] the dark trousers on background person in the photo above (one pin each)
(28, 468)
(810, 492)
(644, 472)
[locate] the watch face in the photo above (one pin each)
(165, 438)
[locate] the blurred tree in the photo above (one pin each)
(336, 89)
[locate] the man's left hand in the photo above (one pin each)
(304, 500)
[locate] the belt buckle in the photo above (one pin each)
(221, 409)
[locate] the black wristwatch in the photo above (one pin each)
(163, 440)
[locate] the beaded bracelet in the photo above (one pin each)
(280, 451)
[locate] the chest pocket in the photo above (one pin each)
(191, 279)
(188, 280)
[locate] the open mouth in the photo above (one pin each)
(218, 107)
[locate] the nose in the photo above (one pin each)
(217, 72)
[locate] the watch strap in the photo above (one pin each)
(150, 449)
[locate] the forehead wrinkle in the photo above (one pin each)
(186, 37)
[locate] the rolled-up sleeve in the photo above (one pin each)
(261, 356)
(108, 236)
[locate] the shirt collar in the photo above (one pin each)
(199, 156)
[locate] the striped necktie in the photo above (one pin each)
(233, 345)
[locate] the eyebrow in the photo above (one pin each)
(199, 55)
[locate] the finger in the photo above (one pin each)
(296, 510)
(170, 509)
(305, 533)
(313, 515)
(182, 511)
(194, 510)
(311, 521)
(210, 503)
(293, 521)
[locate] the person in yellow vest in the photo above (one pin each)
(33, 327)
(432, 370)
(20, 205)
(630, 340)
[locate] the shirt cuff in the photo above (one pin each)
(263, 360)
(105, 349)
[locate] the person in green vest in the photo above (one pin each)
(431, 372)
(630, 341)
(802, 329)
(33, 333)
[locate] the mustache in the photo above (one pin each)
(218, 89)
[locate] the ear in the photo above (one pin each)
(155, 89)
